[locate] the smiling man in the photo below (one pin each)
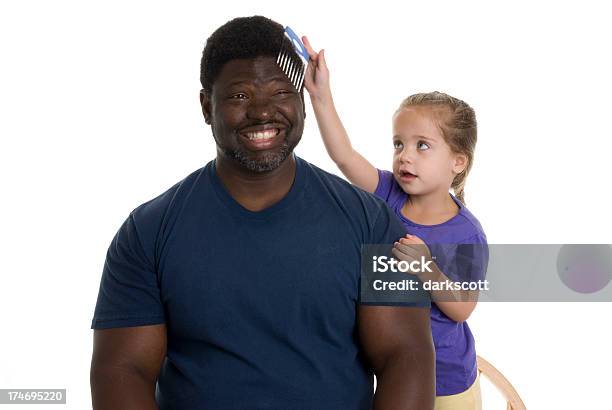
(238, 287)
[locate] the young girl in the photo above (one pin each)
(434, 136)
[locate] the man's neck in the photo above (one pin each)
(255, 191)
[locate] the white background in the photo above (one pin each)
(99, 112)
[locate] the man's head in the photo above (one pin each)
(256, 114)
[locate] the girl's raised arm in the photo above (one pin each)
(353, 165)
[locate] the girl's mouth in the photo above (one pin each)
(407, 176)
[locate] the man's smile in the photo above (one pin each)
(258, 135)
(262, 137)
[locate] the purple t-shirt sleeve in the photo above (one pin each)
(388, 189)
(385, 184)
(471, 258)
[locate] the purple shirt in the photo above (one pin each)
(455, 352)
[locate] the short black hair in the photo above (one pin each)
(242, 37)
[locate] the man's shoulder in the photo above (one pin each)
(342, 187)
(156, 209)
(372, 220)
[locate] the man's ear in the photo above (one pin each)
(205, 103)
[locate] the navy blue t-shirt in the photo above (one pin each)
(260, 307)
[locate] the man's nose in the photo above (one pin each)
(260, 109)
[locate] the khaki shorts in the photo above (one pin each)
(467, 400)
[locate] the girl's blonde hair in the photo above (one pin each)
(457, 123)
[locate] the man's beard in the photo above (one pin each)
(268, 162)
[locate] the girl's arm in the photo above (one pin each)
(456, 304)
(353, 165)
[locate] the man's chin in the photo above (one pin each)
(264, 161)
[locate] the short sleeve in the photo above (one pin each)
(476, 250)
(470, 260)
(387, 229)
(385, 185)
(129, 294)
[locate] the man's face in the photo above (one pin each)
(256, 114)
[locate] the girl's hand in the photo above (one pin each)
(411, 248)
(316, 78)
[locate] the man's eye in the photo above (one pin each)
(397, 145)
(420, 144)
(239, 96)
(282, 92)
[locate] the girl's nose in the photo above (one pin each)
(406, 156)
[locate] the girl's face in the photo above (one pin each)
(422, 161)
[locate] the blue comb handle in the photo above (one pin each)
(297, 43)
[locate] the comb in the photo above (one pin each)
(293, 58)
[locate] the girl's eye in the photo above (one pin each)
(421, 143)
(397, 145)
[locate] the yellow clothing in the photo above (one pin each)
(467, 400)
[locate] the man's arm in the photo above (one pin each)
(125, 365)
(398, 343)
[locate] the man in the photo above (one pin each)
(238, 288)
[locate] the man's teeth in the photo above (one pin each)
(260, 135)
